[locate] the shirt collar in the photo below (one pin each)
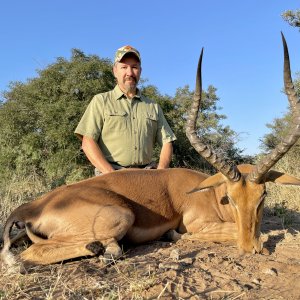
(119, 94)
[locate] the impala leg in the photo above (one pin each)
(112, 250)
(217, 232)
(112, 228)
(100, 237)
(52, 251)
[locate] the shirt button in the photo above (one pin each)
(135, 148)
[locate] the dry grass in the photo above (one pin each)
(286, 196)
(17, 191)
(128, 278)
(84, 279)
(204, 270)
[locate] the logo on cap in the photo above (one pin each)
(125, 50)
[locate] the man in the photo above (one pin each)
(120, 128)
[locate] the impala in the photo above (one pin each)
(90, 217)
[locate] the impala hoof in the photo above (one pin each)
(96, 247)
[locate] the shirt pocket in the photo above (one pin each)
(116, 120)
(151, 120)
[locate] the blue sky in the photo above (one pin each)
(242, 59)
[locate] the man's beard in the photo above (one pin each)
(130, 86)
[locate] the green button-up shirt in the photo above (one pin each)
(126, 130)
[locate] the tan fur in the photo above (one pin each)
(140, 206)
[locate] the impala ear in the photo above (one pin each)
(209, 182)
(281, 178)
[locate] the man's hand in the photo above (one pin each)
(95, 155)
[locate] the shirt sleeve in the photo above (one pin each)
(92, 120)
(164, 131)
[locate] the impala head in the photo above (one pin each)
(245, 184)
(247, 201)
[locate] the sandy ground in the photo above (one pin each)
(164, 270)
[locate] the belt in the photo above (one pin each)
(130, 166)
(137, 166)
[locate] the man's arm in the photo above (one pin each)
(165, 156)
(95, 155)
(165, 137)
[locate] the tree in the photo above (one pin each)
(280, 126)
(210, 128)
(292, 17)
(38, 117)
(290, 163)
(221, 138)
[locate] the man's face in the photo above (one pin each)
(127, 73)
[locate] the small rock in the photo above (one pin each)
(225, 263)
(256, 280)
(211, 254)
(265, 251)
(186, 261)
(174, 255)
(271, 271)
(167, 265)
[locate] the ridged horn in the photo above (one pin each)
(257, 175)
(230, 171)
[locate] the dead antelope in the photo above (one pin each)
(90, 217)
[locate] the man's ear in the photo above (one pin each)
(113, 70)
(209, 182)
(281, 178)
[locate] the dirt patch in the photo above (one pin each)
(164, 270)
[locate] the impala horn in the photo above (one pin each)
(257, 175)
(228, 170)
